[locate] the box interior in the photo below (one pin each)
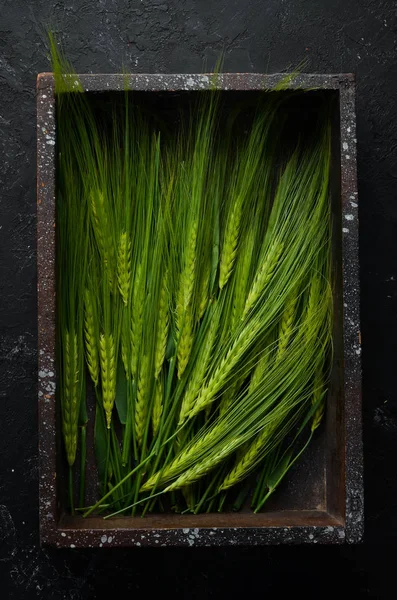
(313, 491)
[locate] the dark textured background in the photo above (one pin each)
(176, 36)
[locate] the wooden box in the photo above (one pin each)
(321, 500)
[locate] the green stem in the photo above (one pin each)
(71, 494)
(131, 505)
(127, 430)
(259, 486)
(83, 458)
(107, 459)
(262, 502)
(119, 484)
(222, 501)
(242, 495)
(117, 458)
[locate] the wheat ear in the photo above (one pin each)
(186, 282)
(260, 370)
(248, 460)
(201, 469)
(105, 243)
(70, 405)
(157, 406)
(184, 317)
(242, 275)
(124, 267)
(163, 323)
(90, 338)
(125, 352)
(226, 365)
(108, 374)
(263, 276)
(183, 458)
(185, 342)
(286, 327)
(227, 398)
(136, 319)
(204, 292)
(141, 404)
(230, 243)
(201, 366)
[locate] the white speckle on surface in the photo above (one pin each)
(345, 230)
(348, 130)
(329, 529)
(349, 217)
(354, 204)
(186, 530)
(72, 546)
(345, 146)
(311, 536)
(50, 142)
(138, 543)
(341, 533)
(347, 156)
(104, 539)
(189, 81)
(110, 539)
(358, 351)
(63, 534)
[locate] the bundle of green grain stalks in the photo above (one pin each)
(194, 296)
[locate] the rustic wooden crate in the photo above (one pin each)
(322, 499)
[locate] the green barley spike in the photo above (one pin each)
(90, 337)
(141, 405)
(124, 267)
(108, 374)
(70, 404)
(163, 323)
(230, 243)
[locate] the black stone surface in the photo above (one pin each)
(181, 36)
